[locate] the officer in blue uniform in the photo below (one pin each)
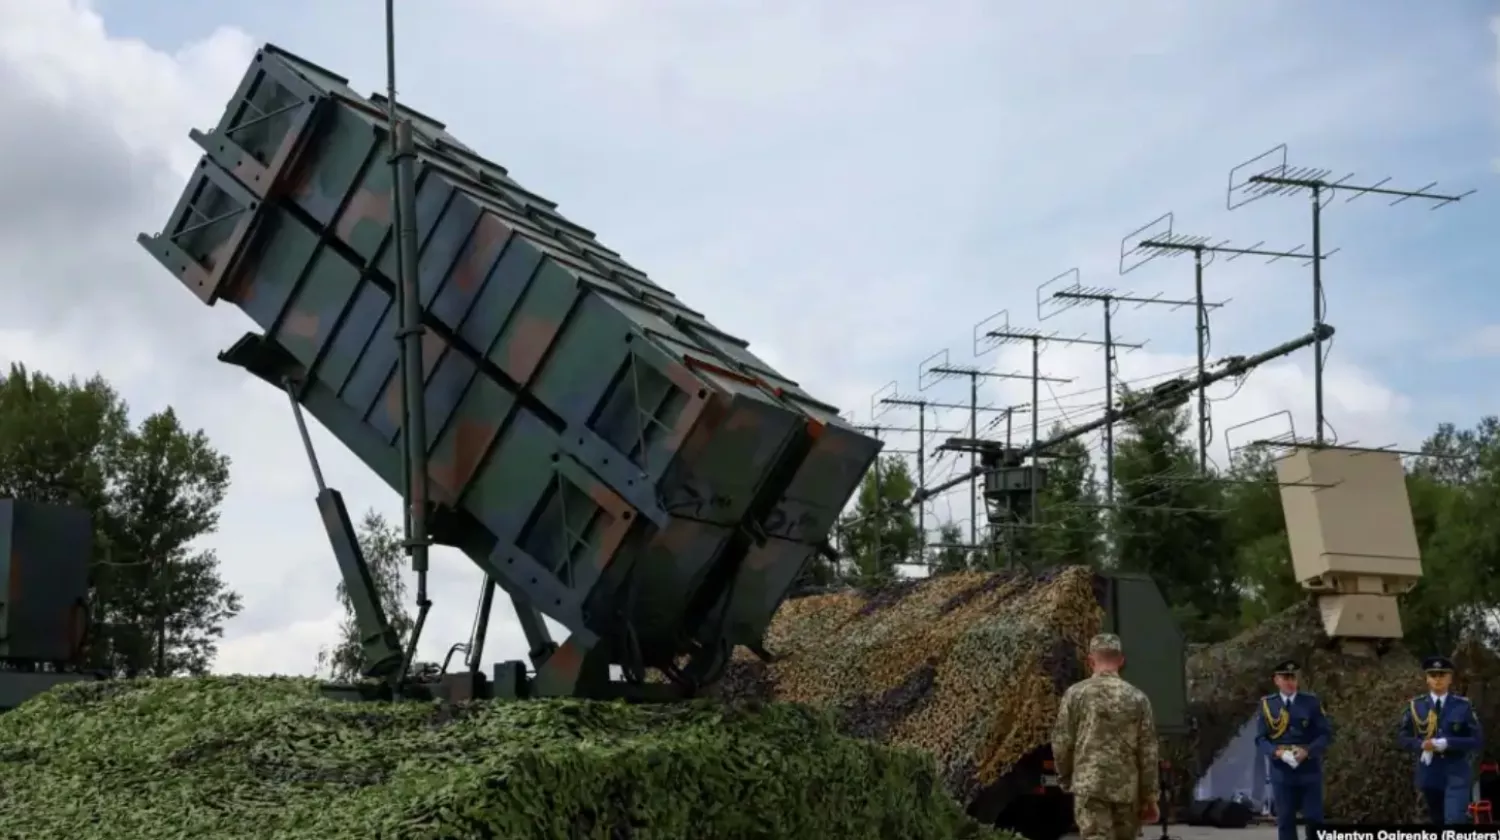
(1440, 727)
(1293, 733)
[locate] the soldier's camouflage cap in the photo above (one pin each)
(1106, 643)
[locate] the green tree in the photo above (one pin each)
(384, 552)
(1455, 490)
(157, 604)
(881, 532)
(1070, 529)
(948, 555)
(1257, 536)
(1170, 522)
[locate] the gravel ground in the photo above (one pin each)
(1191, 832)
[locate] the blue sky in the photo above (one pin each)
(849, 186)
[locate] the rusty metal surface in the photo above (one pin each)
(600, 448)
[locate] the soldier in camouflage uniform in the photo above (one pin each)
(1105, 749)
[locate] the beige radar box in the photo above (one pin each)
(1353, 542)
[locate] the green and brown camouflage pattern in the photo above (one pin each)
(1366, 777)
(967, 667)
(601, 449)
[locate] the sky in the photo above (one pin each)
(850, 186)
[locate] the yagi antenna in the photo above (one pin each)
(892, 399)
(1160, 239)
(947, 370)
(1073, 293)
(878, 403)
(1229, 434)
(926, 378)
(1269, 174)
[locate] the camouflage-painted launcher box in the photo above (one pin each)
(601, 449)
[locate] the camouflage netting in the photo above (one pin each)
(230, 758)
(1367, 779)
(968, 667)
(1478, 678)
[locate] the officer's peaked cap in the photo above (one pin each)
(1287, 668)
(1437, 665)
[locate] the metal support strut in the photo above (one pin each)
(380, 647)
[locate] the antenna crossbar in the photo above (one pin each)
(1105, 297)
(1293, 184)
(993, 409)
(957, 371)
(1185, 245)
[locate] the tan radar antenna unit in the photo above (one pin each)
(1347, 514)
(1353, 541)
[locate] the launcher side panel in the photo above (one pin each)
(602, 448)
(45, 551)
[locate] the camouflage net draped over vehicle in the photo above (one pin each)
(231, 758)
(1367, 778)
(1478, 679)
(966, 667)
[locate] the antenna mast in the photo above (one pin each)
(1157, 238)
(881, 402)
(937, 368)
(413, 406)
(1071, 295)
(1268, 174)
(993, 338)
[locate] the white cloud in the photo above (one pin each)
(848, 185)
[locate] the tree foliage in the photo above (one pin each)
(948, 554)
(381, 544)
(1168, 521)
(1076, 533)
(157, 603)
(881, 533)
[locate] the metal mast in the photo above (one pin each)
(1268, 174)
(409, 334)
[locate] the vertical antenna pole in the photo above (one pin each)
(879, 506)
(1269, 174)
(1035, 450)
(973, 458)
(1317, 284)
(1010, 519)
(1073, 296)
(1036, 412)
(1202, 315)
(1109, 403)
(922, 478)
(414, 419)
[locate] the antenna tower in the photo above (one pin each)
(879, 485)
(1052, 300)
(937, 368)
(1158, 238)
(996, 330)
(1268, 174)
(881, 402)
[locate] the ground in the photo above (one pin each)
(1191, 832)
